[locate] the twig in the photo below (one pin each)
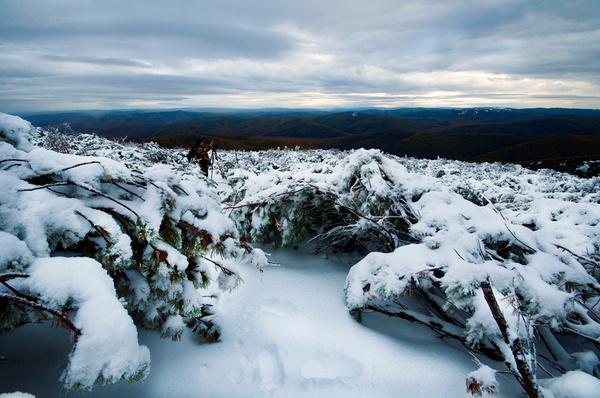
(109, 198)
(97, 228)
(6, 277)
(41, 307)
(13, 160)
(81, 164)
(181, 189)
(60, 193)
(226, 271)
(160, 254)
(56, 184)
(128, 191)
(204, 234)
(580, 258)
(433, 323)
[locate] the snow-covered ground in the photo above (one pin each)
(438, 231)
(286, 333)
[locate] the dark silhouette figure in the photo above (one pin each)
(199, 154)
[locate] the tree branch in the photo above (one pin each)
(226, 271)
(6, 277)
(527, 377)
(41, 307)
(97, 228)
(433, 323)
(202, 233)
(56, 184)
(81, 164)
(128, 191)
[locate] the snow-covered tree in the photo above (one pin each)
(508, 268)
(93, 243)
(346, 203)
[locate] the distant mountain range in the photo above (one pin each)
(556, 138)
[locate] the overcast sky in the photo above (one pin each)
(104, 54)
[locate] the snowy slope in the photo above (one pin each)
(288, 331)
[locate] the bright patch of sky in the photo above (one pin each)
(68, 54)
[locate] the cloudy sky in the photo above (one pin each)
(105, 54)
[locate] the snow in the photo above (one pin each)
(16, 131)
(574, 384)
(13, 252)
(286, 331)
(108, 346)
(483, 380)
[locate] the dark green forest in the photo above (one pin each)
(551, 138)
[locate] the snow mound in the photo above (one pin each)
(17, 132)
(574, 384)
(107, 349)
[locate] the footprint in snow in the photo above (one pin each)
(280, 308)
(245, 373)
(271, 370)
(332, 366)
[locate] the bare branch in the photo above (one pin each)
(56, 184)
(225, 270)
(128, 191)
(14, 160)
(81, 164)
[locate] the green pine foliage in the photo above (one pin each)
(149, 225)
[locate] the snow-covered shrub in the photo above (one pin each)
(498, 257)
(107, 240)
(353, 202)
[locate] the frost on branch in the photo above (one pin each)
(148, 224)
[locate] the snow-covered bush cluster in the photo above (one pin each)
(94, 243)
(497, 257)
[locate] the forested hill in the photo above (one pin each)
(556, 138)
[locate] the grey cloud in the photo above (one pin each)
(112, 61)
(154, 41)
(335, 49)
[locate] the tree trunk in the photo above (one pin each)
(527, 378)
